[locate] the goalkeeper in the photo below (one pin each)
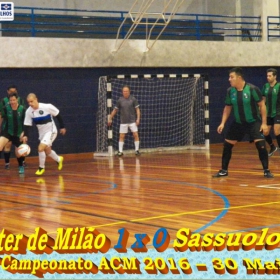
(130, 117)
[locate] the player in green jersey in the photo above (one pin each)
(250, 118)
(271, 97)
(12, 127)
(5, 102)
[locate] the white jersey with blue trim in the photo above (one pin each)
(42, 117)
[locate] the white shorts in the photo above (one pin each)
(48, 138)
(132, 126)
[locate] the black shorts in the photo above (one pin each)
(14, 139)
(237, 131)
(272, 121)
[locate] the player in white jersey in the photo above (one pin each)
(42, 115)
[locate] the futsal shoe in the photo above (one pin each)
(137, 153)
(221, 173)
(40, 171)
(272, 151)
(7, 166)
(21, 169)
(60, 163)
(119, 154)
(267, 174)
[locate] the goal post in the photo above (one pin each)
(174, 112)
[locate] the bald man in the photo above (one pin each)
(42, 115)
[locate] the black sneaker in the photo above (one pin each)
(137, 153)
(267, 174)
(272, 151)
(119, 154)
(221, 173)
(7, 166)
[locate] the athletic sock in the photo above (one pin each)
(121, 146)
(42, 159)
(136, 143)
(54, 156)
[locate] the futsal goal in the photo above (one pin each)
(174, 112)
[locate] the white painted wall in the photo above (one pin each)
(195, 5)
(46, 52)
(224, 7)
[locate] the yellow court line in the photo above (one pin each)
(182, 214)
(188, 213)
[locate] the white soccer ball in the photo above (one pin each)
(23, 150)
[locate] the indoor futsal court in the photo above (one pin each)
(142, 194)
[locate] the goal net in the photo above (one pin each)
(174, 112)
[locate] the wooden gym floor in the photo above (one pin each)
(142, 194)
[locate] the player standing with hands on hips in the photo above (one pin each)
(42, 115)
(130, 117)
(250, 118)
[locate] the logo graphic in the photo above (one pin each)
(6, 11)
(41, 112)
(6, 6)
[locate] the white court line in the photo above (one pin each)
(269, 186)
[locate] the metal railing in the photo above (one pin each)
(50, 22)
(255, 35)
(273, 28)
